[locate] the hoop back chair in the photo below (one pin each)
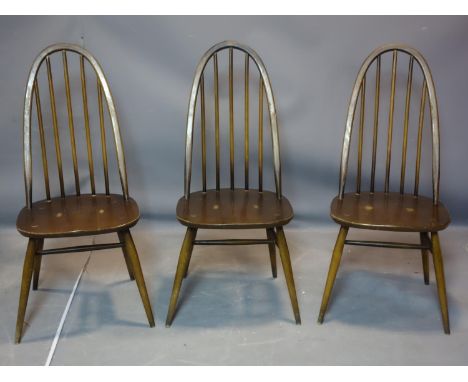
(401, 211)
(73, 213)
(232, 208)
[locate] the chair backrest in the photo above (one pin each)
(427, 92)
(198, 93)
(103, 91)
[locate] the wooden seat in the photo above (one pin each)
(237, 208)
(73, 213)
(78, 216)
(373, 209)
(390, 212)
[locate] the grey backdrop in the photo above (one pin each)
(312, 61)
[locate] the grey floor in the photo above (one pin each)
(231, 310)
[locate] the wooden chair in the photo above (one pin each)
(232, 208)
(392, 211)
(74, 213)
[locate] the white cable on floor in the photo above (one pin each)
(65, 313)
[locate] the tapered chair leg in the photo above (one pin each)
(440, 279)
(129, 248)
(425, 257)
(28, 268)
(288, 273)
(37, 263)
(127, 260)
(334, 265)
(182, 265)
(190, 254)
(272, 249)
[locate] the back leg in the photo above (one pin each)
(37, 263)
(425, 257)
(190, 253)
(272, 249)
(127, 258)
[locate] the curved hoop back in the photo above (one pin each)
(33, 92)
(428, 88)
(198, 90)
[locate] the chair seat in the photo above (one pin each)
(389, 211)
(77, 215)
(236, 208)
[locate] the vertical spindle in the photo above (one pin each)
(84, 96)
(42, 138)
(420, 129)
(406, 124)
(246, 122)
(203, 130)
(390, 123)
(70, 121)
(103, 137)
(361, 134)
(58, 151)
(260, 135)
(216, 100)
(376, 123)
(231, 117)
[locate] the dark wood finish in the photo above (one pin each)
(440, 280)
(190, 252)
(392, 211)
(236, 207)
(182, 266)
(37, 263)
(28, 268)
(78, 214)
(130, 251)
(424, 256)
(288, 273)
(271, 247)
(332, 271)
(128, 261)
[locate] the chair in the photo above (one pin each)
(402, 211)
(73, 213)
(231, 207)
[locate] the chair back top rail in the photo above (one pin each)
(32, 91)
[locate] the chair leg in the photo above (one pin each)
(190, 254)
(440, 279)
(425, 257)
(28, 268)
(272, 249)
(129, 248)
(182, 266)
(37, 263)
(332, 271)
(127, 259)
(288, 273)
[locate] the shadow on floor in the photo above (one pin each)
(224, 299)
(90, 312)
(388, 302)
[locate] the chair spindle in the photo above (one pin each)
(55, 126)
(390, 123)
